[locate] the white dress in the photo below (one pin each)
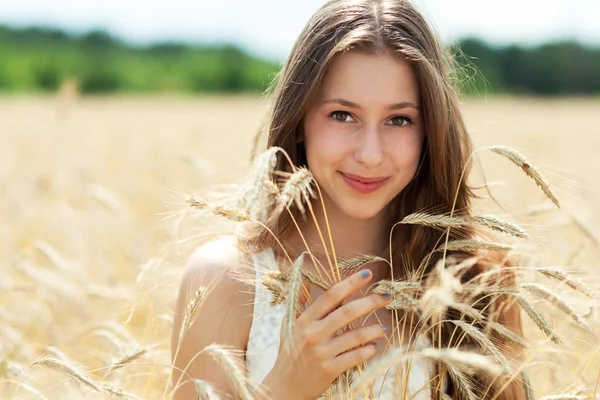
(263, 345)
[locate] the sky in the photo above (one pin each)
(270, 27)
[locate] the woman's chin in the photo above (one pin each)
(361, 213)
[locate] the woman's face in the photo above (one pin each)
(363, 134)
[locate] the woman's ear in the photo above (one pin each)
(300, 137)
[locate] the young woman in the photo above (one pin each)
(365, 102)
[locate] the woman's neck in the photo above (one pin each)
(351, 237)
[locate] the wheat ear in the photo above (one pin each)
(529, 393)
(128, 358)
(532, 172)
(295, 283)
(357, 262)
(205, 391)
(573, 283)
(433, 221)
(232, 369)
(500, 225)
(79, 375)
(538, 318)
(219, 209)
(484, 342)
(471, 245)
(297, 189)
(555, 300)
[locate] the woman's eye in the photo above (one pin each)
(340, 116)
(401, 120)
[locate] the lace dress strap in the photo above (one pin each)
(263, 341)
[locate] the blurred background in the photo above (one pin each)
(112, 112)
(529, 47)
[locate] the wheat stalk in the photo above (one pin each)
(556, 300)
(295, 283)
(357, 262)
(462, 384)
(465, 360)
(297, 189)
(128, 358)
(484, 342)
(205, 391)
(79, 375)
(507, 334)
(529, 393)
(471, 245)
(219, 209)
(376, 368)
(573, 283)
(192, 310)
(260, 174)
(231, 368)
(538, 318)
(500, 225)
(532, 172)
(433, 221)
(274, 287)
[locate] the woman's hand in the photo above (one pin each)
(317, 355)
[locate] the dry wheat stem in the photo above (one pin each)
(532, 172)
(500, 225)
(555, 300)
(230, 366)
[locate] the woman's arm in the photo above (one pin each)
(225, 317)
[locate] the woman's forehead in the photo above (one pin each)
(371, 79)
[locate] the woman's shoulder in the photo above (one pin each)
(219, 266)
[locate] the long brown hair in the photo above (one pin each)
(396, 27)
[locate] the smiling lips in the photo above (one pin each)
(363, 184)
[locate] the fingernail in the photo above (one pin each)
(386, 296)
(365, 273)
(384, 328)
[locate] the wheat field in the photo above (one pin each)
(94, 228)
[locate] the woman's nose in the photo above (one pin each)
(369, 147)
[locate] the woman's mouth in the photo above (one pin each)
(362, 184)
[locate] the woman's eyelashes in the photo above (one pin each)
(343, 117)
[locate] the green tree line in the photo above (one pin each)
(40, 59)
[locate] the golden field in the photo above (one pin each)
(94, 228)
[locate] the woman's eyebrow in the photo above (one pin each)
(395, 106)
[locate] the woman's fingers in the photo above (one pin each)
(352, 311)
(351, 358)
(354, 338)
(333, 297)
